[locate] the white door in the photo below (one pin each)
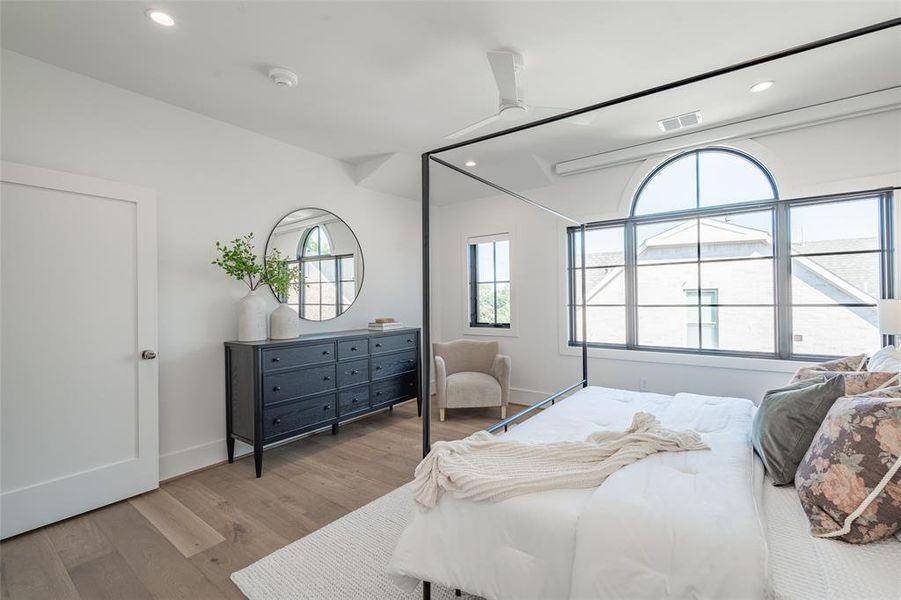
(78, 306)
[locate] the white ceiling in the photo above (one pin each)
(387, 77)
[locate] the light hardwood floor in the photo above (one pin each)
(185, 539)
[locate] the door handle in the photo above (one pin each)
(148, 354)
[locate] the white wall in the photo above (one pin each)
(214, 182)
(854, 154)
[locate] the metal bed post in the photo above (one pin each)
(426, 384)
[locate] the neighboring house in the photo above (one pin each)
(735, 278)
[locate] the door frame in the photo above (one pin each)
(35, 505)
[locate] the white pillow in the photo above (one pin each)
(887, 360)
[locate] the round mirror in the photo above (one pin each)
(326, 255)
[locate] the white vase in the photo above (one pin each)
(284, 324)
(252, 318)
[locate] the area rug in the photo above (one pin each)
(343, 560)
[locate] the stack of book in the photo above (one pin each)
(385, 324)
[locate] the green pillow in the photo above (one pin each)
(787, 421)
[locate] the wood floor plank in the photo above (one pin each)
(108, 577)
(30, 569)
(156, 562)
(78, 540)
(115, 552)
(184, 529)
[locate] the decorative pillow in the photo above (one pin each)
(887, 359)
(893, 391)
(850, 479)
(856, 382)
(787, 420)
(858, 362)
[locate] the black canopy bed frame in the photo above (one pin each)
(431, 157)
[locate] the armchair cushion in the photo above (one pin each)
(467, 355)
(471, 389)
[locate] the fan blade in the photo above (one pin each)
(583, 119)
(503, 65)
(473, 127)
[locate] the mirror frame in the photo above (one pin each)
(358, 285)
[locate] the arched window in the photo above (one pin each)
(702, 179)
(329, 284)
(315, 243)
(711, 261)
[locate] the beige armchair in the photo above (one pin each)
(470, 373)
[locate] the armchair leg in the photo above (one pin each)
(503, 412)
(441, 414)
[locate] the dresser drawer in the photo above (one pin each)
(295, 416)
(353, 401)
(393, 364)
(353, 349)
(353, 372)
(398, 388)
(302, 382)
(390, 343)
(297, 356)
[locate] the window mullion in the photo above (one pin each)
(631, 260)
(782, 251)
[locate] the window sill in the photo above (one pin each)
(491, 331)
(692, 360)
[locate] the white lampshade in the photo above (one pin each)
(890, 316)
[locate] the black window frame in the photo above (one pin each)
(472, 254)
(782, 266)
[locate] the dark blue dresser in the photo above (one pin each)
(279, 389)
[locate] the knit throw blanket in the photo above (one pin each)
(483, 467)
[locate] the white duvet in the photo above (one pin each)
(672, 525)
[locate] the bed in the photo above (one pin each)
(699, 524)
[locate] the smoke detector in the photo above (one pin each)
(283, 77)
(692, 119)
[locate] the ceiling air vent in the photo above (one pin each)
(680, 122)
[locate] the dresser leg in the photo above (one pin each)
(334, 429)
(258, 460)
(230, 443)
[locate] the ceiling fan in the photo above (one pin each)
(506, 66)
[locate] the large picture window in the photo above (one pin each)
(711, 261)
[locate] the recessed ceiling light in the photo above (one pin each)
(470, 163)
(160, 18)
(761, 86)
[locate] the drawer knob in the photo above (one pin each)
(326, 407)
(353, 348)
(378, 393)
(378, 345)
(325, 353)
(378, 367)
(410, 360)
(354, 372)
(276, 421)
(276, 359)
(409, 341)
(411, 384)
(353, 400)
(326, 378)
(277, 388)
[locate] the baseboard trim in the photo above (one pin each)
(525, 397)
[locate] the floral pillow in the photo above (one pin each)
(858, 362)
(849, 482)
(856, 382)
